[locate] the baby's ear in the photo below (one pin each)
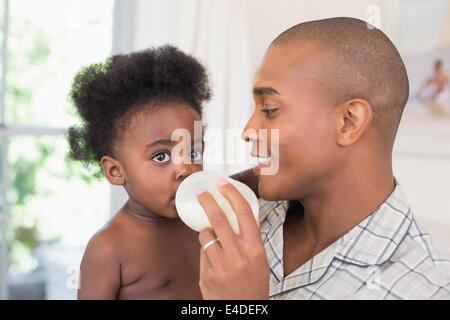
(353, 120)
(113, 170)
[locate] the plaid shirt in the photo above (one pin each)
(386, 256)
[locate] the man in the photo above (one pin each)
(335, 223)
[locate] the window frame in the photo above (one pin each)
(121, 42)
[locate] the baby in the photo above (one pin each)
(130, 105)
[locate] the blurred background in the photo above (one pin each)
(51, 206)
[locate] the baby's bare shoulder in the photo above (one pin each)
(102, 244)
(107, 241)
(100, 267)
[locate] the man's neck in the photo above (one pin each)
(347, 199)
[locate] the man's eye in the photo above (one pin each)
(196, 155)
(161, 157)
(268, 112)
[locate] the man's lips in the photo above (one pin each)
(264, 162)
(261, 158)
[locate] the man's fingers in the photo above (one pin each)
(248, 226)
(218, 220)
(211, 246)
(205, 269)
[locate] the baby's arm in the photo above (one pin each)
(100, 270)
(249, 178)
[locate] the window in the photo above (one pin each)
(49, 204)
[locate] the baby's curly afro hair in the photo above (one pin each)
(104, 94)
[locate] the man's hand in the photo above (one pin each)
(235, 267)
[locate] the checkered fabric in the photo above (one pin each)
(387, 256)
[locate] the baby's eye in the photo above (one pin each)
(161, 157)
(196, 155)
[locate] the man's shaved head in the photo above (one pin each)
(359, 62)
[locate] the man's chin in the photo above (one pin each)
(269, 191)
(275, 188)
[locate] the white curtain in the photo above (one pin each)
(216, 32)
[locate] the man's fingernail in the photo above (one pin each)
(222, 182)
(199, 192)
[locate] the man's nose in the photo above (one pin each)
(250, 133)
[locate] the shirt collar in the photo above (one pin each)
(371, 242)
(374, 240)
(266, 207)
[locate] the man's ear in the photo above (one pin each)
(113, 170)
(353, 119)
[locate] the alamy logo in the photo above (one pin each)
(182, 151)
(373, 17)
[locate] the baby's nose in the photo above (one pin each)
(183, 174)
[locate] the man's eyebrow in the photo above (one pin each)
(167, 142)
(261, 91)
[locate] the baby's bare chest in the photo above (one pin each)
(164, 267)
